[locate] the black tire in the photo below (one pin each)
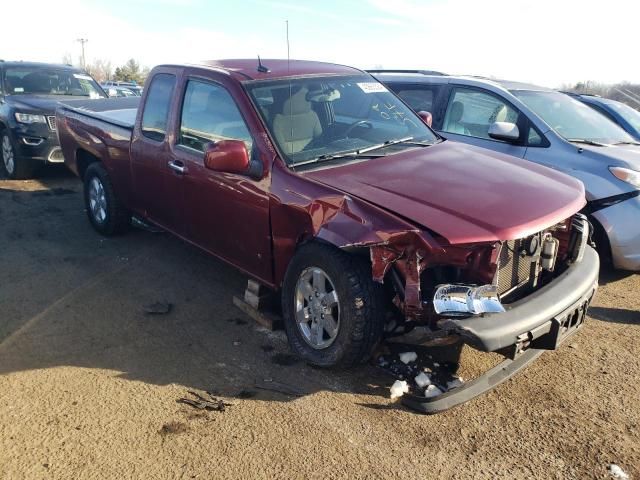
(115, 218)
(15, 168)
(361, 318)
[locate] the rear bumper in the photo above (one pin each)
(536, 315)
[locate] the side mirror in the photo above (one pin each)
(426, 117)
(228, 156)
(505, 131)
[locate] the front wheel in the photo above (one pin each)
(15, 168)
(333, 310)
(105, 211)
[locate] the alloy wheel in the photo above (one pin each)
(7, 155)
(97, 200)
(317, 308)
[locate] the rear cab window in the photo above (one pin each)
(157, 104)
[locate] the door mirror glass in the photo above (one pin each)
(426, 117)
(228, 156)
(505, 131)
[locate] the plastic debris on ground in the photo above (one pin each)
(399, 388)
(408, 357)
(422, 380)
(616, 472)
(158, 308)
(418, 374)
(432, 391)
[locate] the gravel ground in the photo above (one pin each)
(89, 382)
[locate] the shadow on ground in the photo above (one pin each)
(73, 298)
(615, 315)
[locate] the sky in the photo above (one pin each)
(547, 42)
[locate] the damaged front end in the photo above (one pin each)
(432, 285)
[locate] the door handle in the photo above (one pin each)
(177, 166)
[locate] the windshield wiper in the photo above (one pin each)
(325, 158)
(627, 143)
(587, 142)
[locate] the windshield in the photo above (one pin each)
(320, 117)
(572, 119)
(629, 114)
(50, 81)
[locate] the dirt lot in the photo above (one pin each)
(89, 383)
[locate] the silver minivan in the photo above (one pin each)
(546, 127)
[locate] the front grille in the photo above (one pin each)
(515, 266)
(51, 121)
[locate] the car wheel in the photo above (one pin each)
(13, 167)
(105, 211)
(333, 311)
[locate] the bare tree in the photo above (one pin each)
(101, 70)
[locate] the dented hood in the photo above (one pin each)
(464, 193)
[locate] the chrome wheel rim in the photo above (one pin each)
(317, 308)
(7, 154)
(97, 200)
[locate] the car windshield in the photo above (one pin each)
(323, 117)
(631, 115)
(50, 81)
(572, 119)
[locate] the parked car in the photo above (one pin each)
(547, 127)
(321, 184)
(133, 86)
(626, 117)
(115, 91)
(29, 93)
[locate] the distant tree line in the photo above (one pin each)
(102, 70)
(628, 93)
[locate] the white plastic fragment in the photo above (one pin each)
(408, 357)
(616, 472)
(456, 382)
(422, 380)
(432, 391)
(399, 388)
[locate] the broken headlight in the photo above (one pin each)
(462, 300)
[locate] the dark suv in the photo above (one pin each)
(29, 94)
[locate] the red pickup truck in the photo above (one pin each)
(319, 183)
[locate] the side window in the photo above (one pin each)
(418, 98)
(534, 139)
(156, 108)
(209, 114)
(471, 112)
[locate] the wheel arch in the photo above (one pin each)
(84, 158)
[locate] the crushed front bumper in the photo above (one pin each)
(539, 322)
(534, 316)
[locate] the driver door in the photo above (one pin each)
(227, 214)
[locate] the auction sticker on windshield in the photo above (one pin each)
(372, 87)
(82, 77)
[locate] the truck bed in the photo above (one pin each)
(116, 111)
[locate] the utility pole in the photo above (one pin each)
(82, 42)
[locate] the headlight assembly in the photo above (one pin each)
(29, 118)
(626, 175)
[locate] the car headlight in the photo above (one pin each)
(626, 175)
(29, 118)
(461, 300)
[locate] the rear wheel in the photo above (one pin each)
(13, 167)
(333, 311)
(106, 213)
